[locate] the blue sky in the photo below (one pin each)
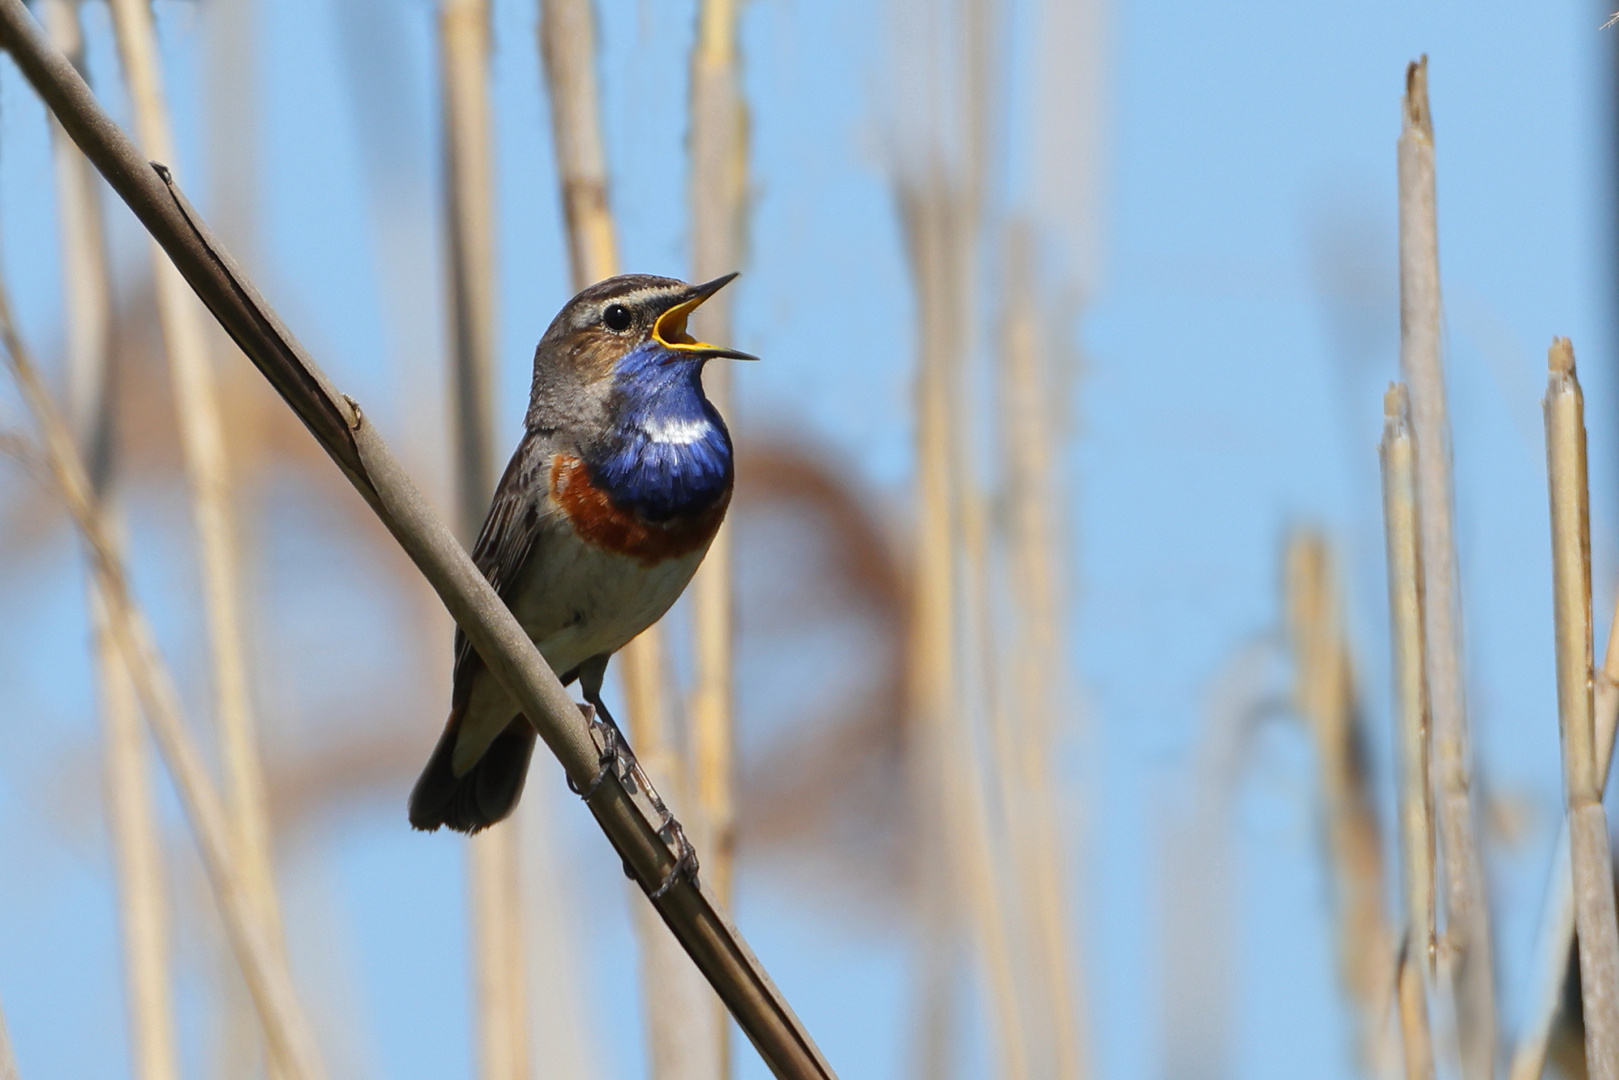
(1240, 326)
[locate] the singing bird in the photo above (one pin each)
(611, 500)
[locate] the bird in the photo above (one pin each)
(614, 493)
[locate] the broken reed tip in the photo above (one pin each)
(1560, 357)
(1394, 403)
(1416, 97)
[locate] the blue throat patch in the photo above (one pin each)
(669, 453)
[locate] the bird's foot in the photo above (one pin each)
(685, 856)
(615, 752)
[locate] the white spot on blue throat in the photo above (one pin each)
(677, 430)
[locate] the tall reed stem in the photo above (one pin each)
(1325, 696)
(1412, 734)
(1034, 822)
(8, 1060)
(1582, 776)
(207, 472)
(1467, 949)
(131, 818)
(499, 958)
(286, 1030)
(685, 1029)
(951, 805)
(1555, 940)
(718, 197)
(718, 209)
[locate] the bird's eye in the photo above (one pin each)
(617, 317)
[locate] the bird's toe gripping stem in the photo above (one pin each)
(614, 753)
(685, 865)
(618, 759)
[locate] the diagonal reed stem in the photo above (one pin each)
(1466, 955)
(1590, 856)
(207, 473)
(131, 817)
(499, 959)
(629, 818)
(1412, 733)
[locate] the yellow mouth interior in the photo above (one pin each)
(670, 329)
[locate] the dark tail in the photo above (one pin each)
(488, 791)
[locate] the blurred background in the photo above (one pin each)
(1075, 318)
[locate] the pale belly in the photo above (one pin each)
(580, 601)
(576, 601)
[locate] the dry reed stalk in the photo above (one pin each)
(131, 818)
(1412, 735)
(718, 195)
(568, 49)
(469, 194)
(684, 1019)
(286, 1029)
(88, 283)
(941, 195)
(951, 806)
(1028, 426)
(718, 220)
(201, 427)
(1467, 951)
(1555, 940)
(1325, 697)
(1415, 1041)
(626, 812)
(1591, 857)
(499, 959)
(8, 1060)
(686, 1032)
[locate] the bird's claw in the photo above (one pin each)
(618, 759)
(685, 858)
(614, 752)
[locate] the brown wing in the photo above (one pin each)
(484, 794)
(508, 532)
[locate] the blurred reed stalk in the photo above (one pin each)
(197, 412)
(685, 1030)
(1030, 399)
(288, 1037)
(131, 817)
(718, 150)
(719, 163)
(499, 958)
(1412, 735)
(1324, 694)
(1466, 957)
(1555, 941)
(966, 881)
(951, 808)
(1591, 857)
(8, 1060)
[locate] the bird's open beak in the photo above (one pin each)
(670, 329)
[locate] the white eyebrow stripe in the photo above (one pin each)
(679, 431)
